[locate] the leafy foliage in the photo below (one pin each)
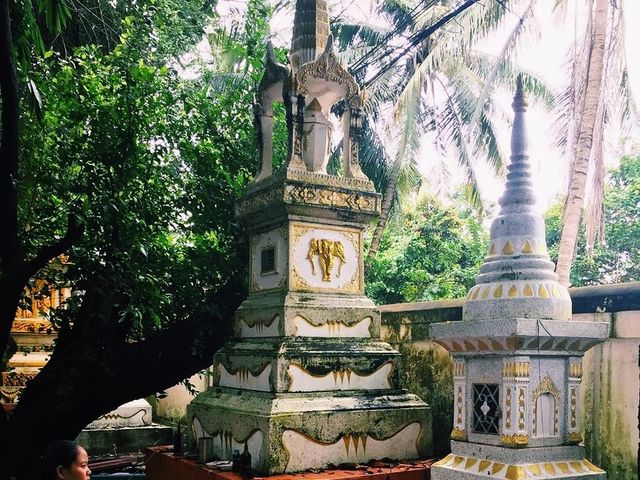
(431, 252)
(150, 163)
(616, 259)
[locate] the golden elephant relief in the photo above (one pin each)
(326, 251)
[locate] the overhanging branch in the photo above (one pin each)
(47, 253)
(9, 141)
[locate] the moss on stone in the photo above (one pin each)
(426, 372)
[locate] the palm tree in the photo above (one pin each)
(597, 90)
(442, 86)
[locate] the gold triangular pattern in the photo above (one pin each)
(347, 442)
(508, 248)
(527, 248)
(513, 291)
(543, 292)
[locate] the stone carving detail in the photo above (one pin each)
(255, 202)
(511, 290)
(516, 369)
(243, 377)
(459, 431)
(318, 262)
(31, 326)
(260, 327)
(326, 251)
(514, 440)
(310, 195)
(332, 328)
(351, 447)
(572, 417)
(17, 379)
(225, 442)
(327, 67)
(301, 380)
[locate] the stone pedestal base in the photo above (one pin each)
(472, 461)
(293, 432)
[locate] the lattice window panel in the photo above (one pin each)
(486, 411)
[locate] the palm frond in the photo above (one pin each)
(453, 129)
(521, 29)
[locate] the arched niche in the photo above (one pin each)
(545, 409)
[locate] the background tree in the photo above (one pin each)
(617, 259)
(431, 252)
(146, 166)
(441, 86)
(597, 95)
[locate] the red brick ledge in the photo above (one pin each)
(162, 465)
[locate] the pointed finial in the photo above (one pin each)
(329, 46)
(519, 101)
(519, 142)
(310, 30)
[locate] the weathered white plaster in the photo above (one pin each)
(627, 324)
(245, 379)
(263, 281)
(304, 328)
(261, 328)
(305, 452)
(303, 381)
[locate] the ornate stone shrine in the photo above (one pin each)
(307, 382)
(517, 354)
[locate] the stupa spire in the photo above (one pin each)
(519, 195)
(310, 30)
(517, 277)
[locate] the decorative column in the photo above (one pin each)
(459, 431)
(307, 382)
(520, 349)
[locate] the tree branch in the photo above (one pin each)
(48, 252)
(9, 142)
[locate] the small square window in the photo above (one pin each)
(268, 260)
(486, 411)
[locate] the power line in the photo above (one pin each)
(413, 40)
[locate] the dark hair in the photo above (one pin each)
(59, 452)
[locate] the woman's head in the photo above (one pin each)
(65, 460)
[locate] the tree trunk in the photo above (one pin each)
(578, 175)
(387, 203)
(91, 373)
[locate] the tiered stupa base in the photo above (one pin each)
(472, 461)
(289, 432)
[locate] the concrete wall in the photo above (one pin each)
(610, 387)
(610, 397)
